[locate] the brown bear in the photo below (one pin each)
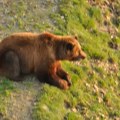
(22, 54)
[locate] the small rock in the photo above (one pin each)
(74, 110)
(45, 107)
(96, 89)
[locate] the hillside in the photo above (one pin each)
(95, 90)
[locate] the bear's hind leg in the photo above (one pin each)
(11, 66)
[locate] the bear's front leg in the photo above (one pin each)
(61, 73)
(56, 80)
(64, 75)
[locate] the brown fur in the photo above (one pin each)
(38, 54)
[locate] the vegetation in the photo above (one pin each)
(95, 89)
(6, 87)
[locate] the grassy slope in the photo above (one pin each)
(6, 87)
(95, 91)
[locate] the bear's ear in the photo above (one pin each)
(69, 46)
(76, 37)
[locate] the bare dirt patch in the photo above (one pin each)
(21, 102)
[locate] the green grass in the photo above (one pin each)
(95, 89)
(6, 88)
(49, 101)
(92, 95)
(89, 97)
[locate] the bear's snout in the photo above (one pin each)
(82, 55)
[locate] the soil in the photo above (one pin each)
(21, 102)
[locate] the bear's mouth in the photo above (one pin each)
(76, 58)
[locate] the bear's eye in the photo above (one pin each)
(70, 46)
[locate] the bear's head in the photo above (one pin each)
(65, 47)
(70, 49)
